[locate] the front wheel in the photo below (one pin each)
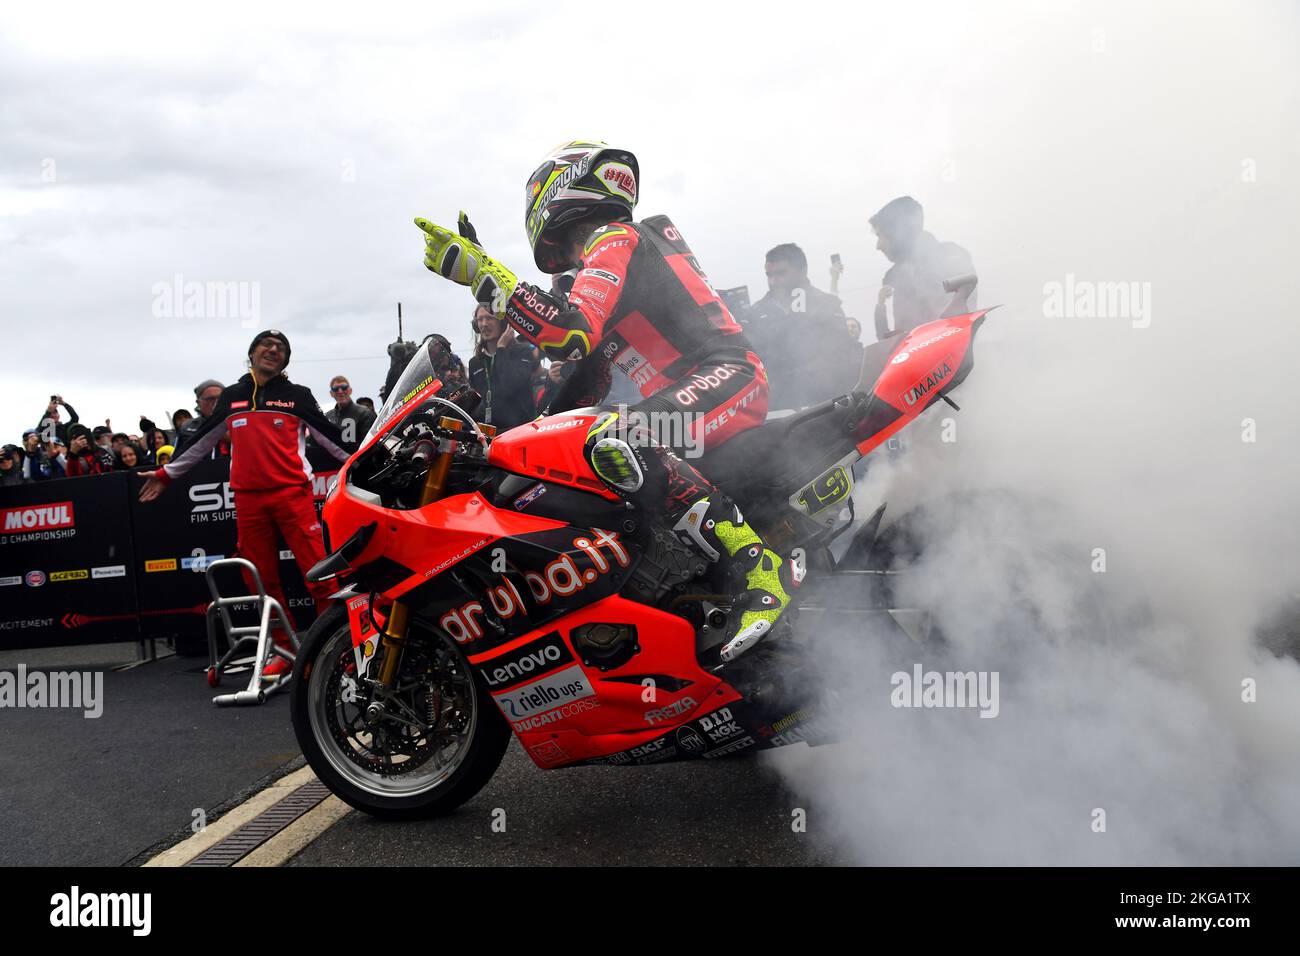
(427, 747)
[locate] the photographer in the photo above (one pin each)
(84, 457)
(447, 366)
(501, 370)
(50, 426)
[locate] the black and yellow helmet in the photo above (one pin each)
(576, 182)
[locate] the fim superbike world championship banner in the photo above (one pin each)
(66, 561)
(178, 534)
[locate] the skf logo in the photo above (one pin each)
(160, 564)
(37, 518)
(80, 575)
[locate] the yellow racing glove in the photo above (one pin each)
(462, 260)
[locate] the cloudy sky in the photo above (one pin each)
(287, 150)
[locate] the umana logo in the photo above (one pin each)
(922, 388)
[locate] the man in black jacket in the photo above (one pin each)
(353, 420)
(501, 370)
(800, 334)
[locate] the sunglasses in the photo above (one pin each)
(340, 388)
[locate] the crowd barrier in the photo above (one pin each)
(82, 561)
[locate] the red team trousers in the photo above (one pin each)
(290, 511)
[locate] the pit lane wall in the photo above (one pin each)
(83, 562)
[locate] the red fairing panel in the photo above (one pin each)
(564, 711)
(926, 360)
(446, 532)
(551, 448)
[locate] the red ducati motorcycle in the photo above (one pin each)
(492, 584)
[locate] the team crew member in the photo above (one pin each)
(266, 419)
(641, 303)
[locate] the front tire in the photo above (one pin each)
(391, 768)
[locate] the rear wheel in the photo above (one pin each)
(420, 751)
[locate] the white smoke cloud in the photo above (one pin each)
(1119, 690)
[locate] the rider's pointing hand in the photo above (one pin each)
(460, 259)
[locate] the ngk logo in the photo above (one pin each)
(37, 517)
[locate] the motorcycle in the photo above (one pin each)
(491, 584)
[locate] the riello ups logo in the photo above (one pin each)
(37, 518)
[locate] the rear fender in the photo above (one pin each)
(928, 362)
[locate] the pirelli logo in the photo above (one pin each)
(160, 564)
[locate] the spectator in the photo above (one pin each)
(179, 418)
(131, 456)
(920, 264)
(151, 438)
(855, 329)
(119, 439)
(11, 466)
(549, 382)
(206, 394)
(164, 455)
(56, 455)
(103, 437)
(50, 427)
(501, 370)
(800, 334)
(84, 457)
(353, 419)
(368, 402)
(447, 366)
(36, 463)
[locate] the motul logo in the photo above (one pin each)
(38, 517)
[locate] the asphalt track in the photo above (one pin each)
(100, 792)
(700, 812)
(120, 788)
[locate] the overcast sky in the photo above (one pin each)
(289, 148)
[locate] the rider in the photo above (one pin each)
(640, 302)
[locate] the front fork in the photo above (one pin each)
(393, 641)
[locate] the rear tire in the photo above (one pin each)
(324, 653)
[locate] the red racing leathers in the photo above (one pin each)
(267, 428)
(641, 302)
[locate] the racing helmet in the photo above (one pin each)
(576, 182)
